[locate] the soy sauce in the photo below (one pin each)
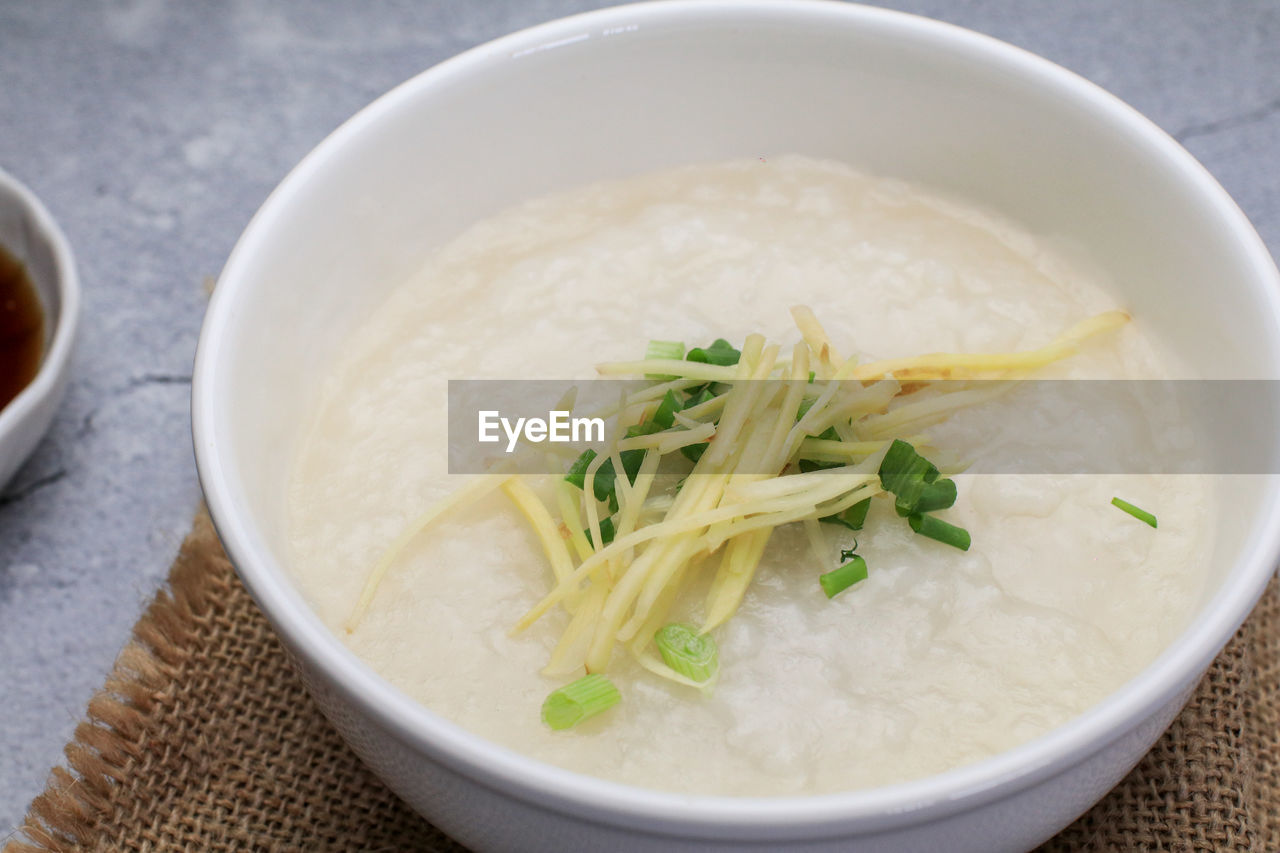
(21, 328)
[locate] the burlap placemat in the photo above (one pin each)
(203, 739)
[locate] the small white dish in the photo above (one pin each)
(29, 233)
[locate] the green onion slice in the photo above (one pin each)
(906, 474)
(1136, 512)
(578, 701)
(935, 528)
(607, 532)
(720, 352)
(604, 484)
(835, 582)
(693, 452)
(578, 470)
(940, 494)
(665, 350)
(642, 428)
(698, 396)
(853, 517)
(689, 653)
(807, 465)
(665, 415)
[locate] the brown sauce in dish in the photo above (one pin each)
(21, 328)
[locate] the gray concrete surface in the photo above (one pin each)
(154, 129)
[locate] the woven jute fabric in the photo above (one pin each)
(203, 739)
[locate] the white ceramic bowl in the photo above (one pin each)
(635, 88)
(29, 233)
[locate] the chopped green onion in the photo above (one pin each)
(906, 474)
(935, 528)
(603, 485)
(665, 415)
(663, 418)
(665, 350)
(807, 465)
(1136, 512)
(689, 653)
(578, 470)
(693, 452)
(698, 396)
(828, 434)
(631, 462)
(720, 352)
(847, 554)
(607, 532)
(835, 582)
(853, 517)
(812, 376)
(584, 698)
(606, 478)
(940, 494)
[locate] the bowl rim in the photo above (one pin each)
(57, 355)
(869, 810)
